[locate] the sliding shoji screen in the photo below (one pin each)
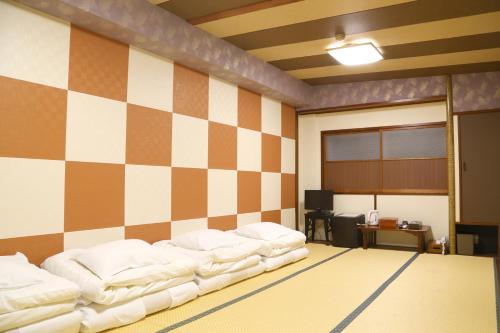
(402, 159)
(352, 162)
(414, 159)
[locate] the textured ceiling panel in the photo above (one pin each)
(425, 36)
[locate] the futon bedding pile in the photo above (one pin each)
(221, 258)
(277, 244)
(123, 281)
(120, 282)
(33, 300)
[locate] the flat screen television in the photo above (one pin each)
(318, 200)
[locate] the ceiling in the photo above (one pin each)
(416, 38)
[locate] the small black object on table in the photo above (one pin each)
(345, 230)
(312, 216)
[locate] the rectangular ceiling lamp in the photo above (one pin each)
(356, 54)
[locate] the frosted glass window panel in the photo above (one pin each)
(355, 146)
(415, 143)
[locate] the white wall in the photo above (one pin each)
(353, 203)
(431, 210)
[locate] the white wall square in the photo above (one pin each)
(32, 197)
(249, 150)
(147, 194)
(185, 226)
(409, 207)
(88, 238)
(34, 46)
(270, 191)
(222, 102)
(189, 142)
(287, 155)
(150, 80)
(96, 129)
(353, 203)
(288, 218)
(271, 116)
(222, 192)
(244, 219)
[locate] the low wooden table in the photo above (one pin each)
(420, 234)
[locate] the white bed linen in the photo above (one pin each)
(108, 259)
(66, 323)
(98, 317)
(207, 266)
(264, 230)
(99, 291)
(205, 240)
(53, 289)
(218, 282)
(180, 294)
(178, 265)
(278, 246)
(27, 316)
(273, 263)
(219, 255)
(16, 272)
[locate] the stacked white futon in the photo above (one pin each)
(123, 281)
(222, 258)
(278, 245)
(33, 300)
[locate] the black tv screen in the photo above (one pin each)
(318, 200)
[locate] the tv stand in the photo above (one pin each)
(310, 220)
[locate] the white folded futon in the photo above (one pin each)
(221, 258)
(32, 297)
(277, 244)
(123, 281)
(65, 323)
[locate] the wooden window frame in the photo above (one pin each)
(381, 159)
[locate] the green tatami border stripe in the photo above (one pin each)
(497, 293)
(356, 312)
(247, 295)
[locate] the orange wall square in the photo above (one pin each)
(32, 120)
(271, 153)
(221, 146)
(248, 191)
(288, 120)
(249, 110)
(271, 216)
(36, 248)
(149, 136)
(94, 196)
(190, 92)
(97, 65)
(189, 193)
(222, 222)
(287, 191)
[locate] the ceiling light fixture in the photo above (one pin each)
(354, 54)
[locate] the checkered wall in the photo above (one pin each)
(101, 141)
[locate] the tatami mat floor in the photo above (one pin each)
(351, 291)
